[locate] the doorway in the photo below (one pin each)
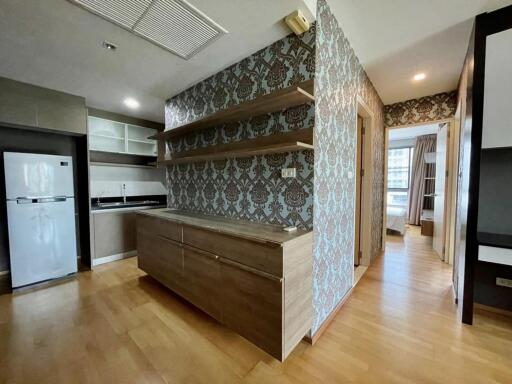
(421, 165)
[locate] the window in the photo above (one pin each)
(399, 175)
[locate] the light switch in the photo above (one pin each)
(289, 172)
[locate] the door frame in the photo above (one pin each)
(451, 181)
(446, 193)
(365, 112)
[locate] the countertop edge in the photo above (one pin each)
(262, 240)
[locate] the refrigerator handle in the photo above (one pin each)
(28, 200)
(24, 200)
(55, 199)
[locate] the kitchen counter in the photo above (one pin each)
(254, 278)
(241, 228)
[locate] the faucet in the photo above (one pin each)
(124, 193)
(98, 198)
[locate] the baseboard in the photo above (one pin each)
(488, 308)
(109, 259)
(5, 282)
(314, 338)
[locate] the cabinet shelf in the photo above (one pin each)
(276, 101)
(285, 142)
(107, 136)
(142, 141)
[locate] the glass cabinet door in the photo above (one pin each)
(112, 136)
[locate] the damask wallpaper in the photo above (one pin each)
(339, 80)
(247, 188)
(423, 110)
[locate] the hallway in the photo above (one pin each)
(115, 325)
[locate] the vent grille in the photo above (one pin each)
(174, 25)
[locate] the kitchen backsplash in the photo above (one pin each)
(107, 181)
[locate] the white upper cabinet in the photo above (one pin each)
(497, 120)
(112, 136)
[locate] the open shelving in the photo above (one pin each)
(273, 102)
(283, 142)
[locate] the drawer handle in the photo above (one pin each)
(165, 238)
(251, 270)
(201, 252)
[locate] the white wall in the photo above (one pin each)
(497, 122)
(107, 181)
(404, 143)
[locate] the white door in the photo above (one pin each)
(439, 200)
(42, 241)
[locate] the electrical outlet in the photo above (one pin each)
(289, 172)
(504, 282)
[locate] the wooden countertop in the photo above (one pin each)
(240, 228)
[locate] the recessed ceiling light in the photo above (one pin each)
(131, 103)
(109, 46)
(419, 76)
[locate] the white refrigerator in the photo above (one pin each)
(41, 217)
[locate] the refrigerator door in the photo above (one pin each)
(34, 175)
(42, 239)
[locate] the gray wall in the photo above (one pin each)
(27, 106)
(495, 205)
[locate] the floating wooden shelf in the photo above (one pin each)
(276, 101)
(285, 142)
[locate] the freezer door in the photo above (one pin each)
(33, 175)
(42, 240)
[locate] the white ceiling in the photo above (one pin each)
(55, 44)
(395, 39)
(412, 132)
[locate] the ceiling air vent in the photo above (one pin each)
(174, 25)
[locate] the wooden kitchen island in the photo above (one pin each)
(254, 278)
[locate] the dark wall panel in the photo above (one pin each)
(21, 140)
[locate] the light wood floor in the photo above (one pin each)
(115, 325)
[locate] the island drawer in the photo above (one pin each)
(165, 228)
(267, 257)
(161, 258)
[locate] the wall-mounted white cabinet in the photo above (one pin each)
(112, 136)
(497, 121)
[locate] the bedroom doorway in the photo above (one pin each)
(420, 166)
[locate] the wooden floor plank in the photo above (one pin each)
(117, 325)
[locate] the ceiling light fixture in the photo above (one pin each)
(131, 103)
(109, 46)
(419, 76)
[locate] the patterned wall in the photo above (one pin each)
(423, 110)
(339, 80)
(247, 188)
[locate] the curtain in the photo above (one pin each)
(424, 144)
